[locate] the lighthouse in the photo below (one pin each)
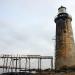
(64, 50)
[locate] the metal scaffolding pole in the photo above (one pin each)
(11, 64)
(29, 64)
(6, 64)
(26, 65)
(52, 64)
(38, 64)
(3, 64)
(16, 64)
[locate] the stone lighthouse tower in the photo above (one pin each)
(65, 52)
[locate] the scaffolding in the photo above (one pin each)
(22, 63)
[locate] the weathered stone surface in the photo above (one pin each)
(65, 53)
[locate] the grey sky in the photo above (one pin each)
(27, 26)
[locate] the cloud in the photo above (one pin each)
(28, 26)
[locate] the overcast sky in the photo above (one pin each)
(27, 26)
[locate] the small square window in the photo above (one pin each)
(64, 31)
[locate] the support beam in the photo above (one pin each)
(52, 64)
(40, 64)
(29, 64)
